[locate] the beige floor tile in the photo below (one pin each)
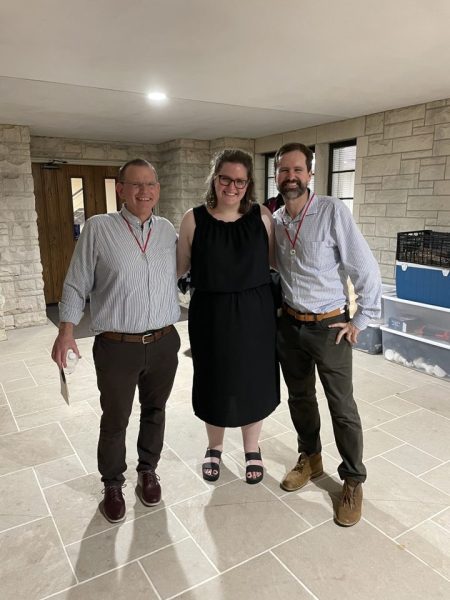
(125, 583)
(119, 545)
(74, 506)
(32, 447)
(186, 564)
(379, 365)
(50, 415)
(86, 422)
(178, 482)
(3, 399)
(180, 396)
(372, 415)
(32, 562)
(28, 401)
(411, 459)
(443, 519)
(335, 562)
(270, 428)
(7, 423)
(11, 370)
(22, 499)
(424, 430)
(24, 383)
(375, 442)
(371, 387)
(431, 396)
(237, 521)
(439, 477)
(85, 445)
(396, 406)
(262, 578)
(395, 501)
(60, 470)
(316, 501)
(45, 373)
(185, 433)
(431, 543)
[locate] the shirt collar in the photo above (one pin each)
(312, 209)
(132, 219)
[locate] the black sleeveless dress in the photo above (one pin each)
(232, 322)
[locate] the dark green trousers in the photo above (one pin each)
(301, 348)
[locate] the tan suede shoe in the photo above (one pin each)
(307, 468)
(348, 512)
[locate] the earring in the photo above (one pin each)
(211, 202)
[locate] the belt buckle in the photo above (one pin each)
(147, 335)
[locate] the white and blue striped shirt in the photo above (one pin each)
(130, 291)
(329, 248)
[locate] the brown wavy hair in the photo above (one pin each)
(236, 156)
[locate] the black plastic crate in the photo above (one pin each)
(425, 247)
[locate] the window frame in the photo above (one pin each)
(336, 146)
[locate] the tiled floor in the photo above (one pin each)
(227, 540)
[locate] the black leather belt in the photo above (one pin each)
(141, 338)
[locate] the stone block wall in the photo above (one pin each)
(183, 168)
(90, 152)
(403, 180)
(22, 302)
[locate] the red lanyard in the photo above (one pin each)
(294, 241)
(142, 247)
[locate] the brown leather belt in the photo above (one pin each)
(142, 338)
(312, 316)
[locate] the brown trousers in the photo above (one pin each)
(120, 367)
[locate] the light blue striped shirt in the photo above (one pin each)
(130, 291)
(329, 248)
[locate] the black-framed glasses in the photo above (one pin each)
(239, 183)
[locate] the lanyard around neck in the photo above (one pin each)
(142, 247)
(294, 241)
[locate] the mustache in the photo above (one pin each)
(291, 181)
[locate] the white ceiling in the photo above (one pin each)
(246, 68)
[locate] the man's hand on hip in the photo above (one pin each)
(348, 330)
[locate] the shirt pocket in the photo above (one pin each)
(322, 256)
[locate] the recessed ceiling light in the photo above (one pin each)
(157, 96)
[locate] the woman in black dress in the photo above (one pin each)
(226, 243)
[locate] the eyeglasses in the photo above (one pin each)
(239, 183)
(136, 186)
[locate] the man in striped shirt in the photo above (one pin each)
(318, 246)
(125, 262)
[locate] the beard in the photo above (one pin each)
(291, 193)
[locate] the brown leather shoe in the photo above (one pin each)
(307, 468)
(348, 512)
(113, 506)
(149, 490)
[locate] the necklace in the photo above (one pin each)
(142, 247)
(292, 242)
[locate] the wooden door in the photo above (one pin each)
(67, 195)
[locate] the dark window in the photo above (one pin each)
(341, 180)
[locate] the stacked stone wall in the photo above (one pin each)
(22, 302)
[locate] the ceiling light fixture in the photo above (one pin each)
(157, 96)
